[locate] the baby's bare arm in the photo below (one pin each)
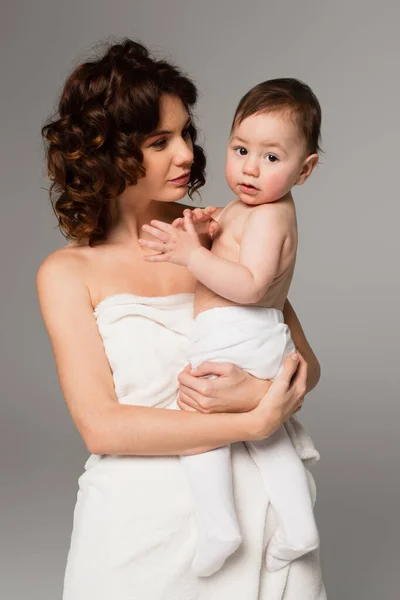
(265, 236)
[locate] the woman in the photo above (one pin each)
(121, 152)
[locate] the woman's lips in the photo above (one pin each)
(248, 189)
(183, 180)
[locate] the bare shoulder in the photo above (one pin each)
(70, 261)
(274, 213)
(62, 276)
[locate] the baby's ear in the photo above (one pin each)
(309, 165)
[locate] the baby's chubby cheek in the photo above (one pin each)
(232, 176)
(274, 187)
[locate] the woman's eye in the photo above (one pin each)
(186, 133)
(240, 150)
(271, 157)
(159, 144)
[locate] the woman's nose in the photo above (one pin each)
(184, 153)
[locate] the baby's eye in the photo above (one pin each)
(271, 157)
(159, 144)
(240, 150)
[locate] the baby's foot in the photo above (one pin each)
(280, 553)
(211, 553)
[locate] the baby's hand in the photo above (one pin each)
(175, 244)
(202, 220)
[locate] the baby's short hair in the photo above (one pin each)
(286, 95)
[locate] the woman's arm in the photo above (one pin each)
(106, 426)
(302, 345)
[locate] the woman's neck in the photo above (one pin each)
(129, 214)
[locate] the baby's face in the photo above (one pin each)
(265, 157)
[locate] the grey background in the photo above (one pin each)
(346, 285)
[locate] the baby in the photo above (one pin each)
(242, 284)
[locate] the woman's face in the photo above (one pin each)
(167, 154)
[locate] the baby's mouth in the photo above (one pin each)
(248, 186)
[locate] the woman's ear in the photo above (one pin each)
(308, 166)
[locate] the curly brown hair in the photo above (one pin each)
(107, 107)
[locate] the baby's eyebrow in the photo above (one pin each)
(273, 145)
(267, 144)
(236, 137)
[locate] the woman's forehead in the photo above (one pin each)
(173, 113)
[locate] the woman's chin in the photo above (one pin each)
(175, 195)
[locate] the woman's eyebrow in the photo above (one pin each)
(167, 131)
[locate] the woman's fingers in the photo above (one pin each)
(300, 378)
(184, 402)
(299, 382)
(294, 379)
(199, 388)
(211, 368)
(290, 366)
(193, 399)
(282, 398)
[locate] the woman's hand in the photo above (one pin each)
(231, 389)
(284, 397)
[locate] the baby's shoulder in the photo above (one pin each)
(276, 219)
(273, 210)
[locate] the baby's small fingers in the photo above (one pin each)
(159, 246)
(156, 257)
(213, 226)
(155, 232)
(189, 227)
(178, 222)
(198, 213)
(160, 225)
